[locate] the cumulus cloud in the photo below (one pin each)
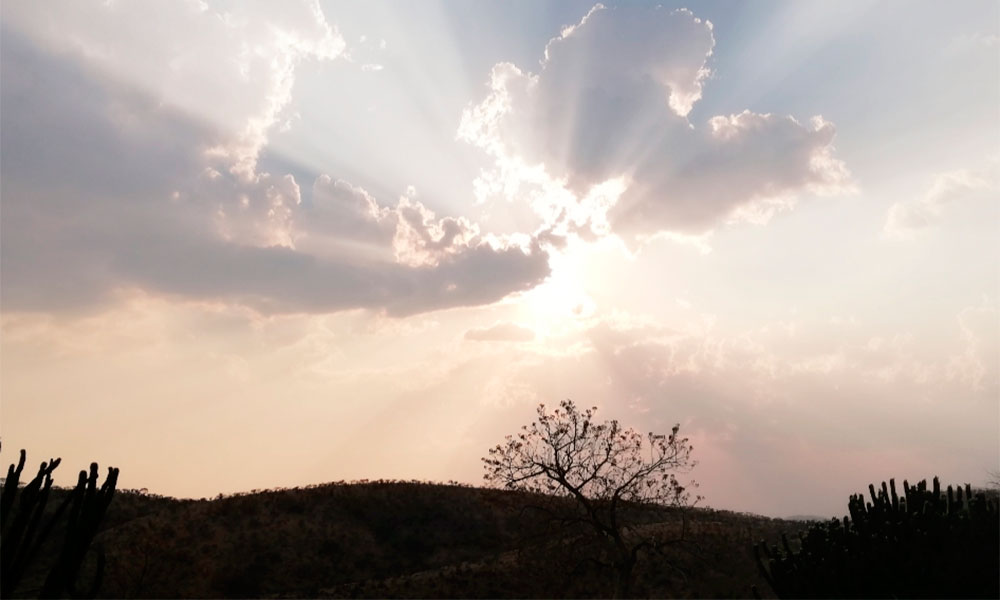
(343, 217)
(278, 279)
(423, 240)
(233, 67)
(611, 102)
(979, 185)
(500, 332)
(111, 181)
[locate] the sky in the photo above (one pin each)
(249, 245)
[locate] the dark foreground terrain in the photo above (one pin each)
(403, 539)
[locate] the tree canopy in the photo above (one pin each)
(566, 452)
(603, 466)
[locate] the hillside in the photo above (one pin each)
(398, 539)
(401, 539)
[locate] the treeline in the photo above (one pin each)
(316, 486)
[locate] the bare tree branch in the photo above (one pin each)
(603, 467)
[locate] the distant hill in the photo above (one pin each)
(403, 539)
(808, 518)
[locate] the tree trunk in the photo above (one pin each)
(623, 577)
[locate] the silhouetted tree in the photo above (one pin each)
(605, 468)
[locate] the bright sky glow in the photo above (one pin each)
(247, 245)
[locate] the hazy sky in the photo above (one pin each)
(255, 245)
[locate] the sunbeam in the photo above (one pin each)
(248, 245)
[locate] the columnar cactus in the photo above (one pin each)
(25, 527)
(924, 544)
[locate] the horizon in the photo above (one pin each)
(246, 246)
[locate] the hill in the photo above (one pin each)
(387, 539)
(404, 539)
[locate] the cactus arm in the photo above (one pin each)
(10, 488)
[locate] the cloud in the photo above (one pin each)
(277, 279)
(422, 240)
(234, 66)
(500, 332)
(887, 407)
(977, 40)
(343, 217)
(611, 102)
(108, 184)
(979, 185)
(977, 363)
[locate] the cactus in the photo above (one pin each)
(26, 527)
(924, 544)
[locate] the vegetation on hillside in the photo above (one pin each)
(405, 539)
(925, 544)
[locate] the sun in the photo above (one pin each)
(562, 302)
